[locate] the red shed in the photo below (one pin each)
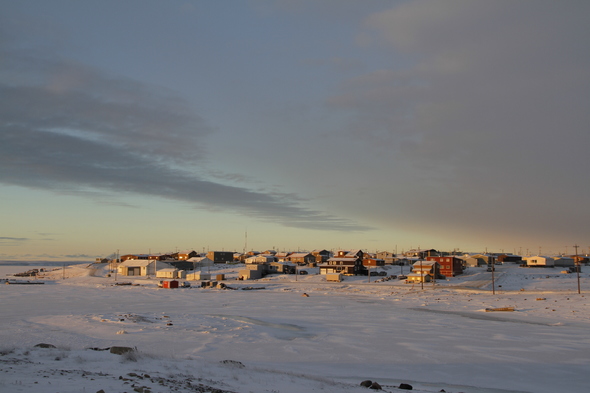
(170, 284)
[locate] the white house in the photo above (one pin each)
(539, 260)
(141, 267)
(260, 259)
(170, 273)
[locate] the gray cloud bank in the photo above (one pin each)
(488, 110)
(69, 128)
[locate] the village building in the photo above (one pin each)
(509, 258)
(282, 256)
(321, 255)
(259, 259)
(388, 257)
(423, 271)
(449, 266)
(221, 256)
(473, 261)
(539, 261)
(184, 255)
(170, 272)
(373, 262)
(344, 262)
(159, 257)
(564, 261)
(281, 268)
(302, 258)
(123, 258)
(141, 267)
(200, 262)
(421, 254)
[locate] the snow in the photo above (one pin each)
(276, 339)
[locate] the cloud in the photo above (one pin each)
(13, 239)
(489, 119)
(70, 128)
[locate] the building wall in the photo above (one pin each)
(448, 266)
(221, 256)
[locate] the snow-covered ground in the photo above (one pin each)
(305, 335)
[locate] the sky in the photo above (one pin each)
(149, 126)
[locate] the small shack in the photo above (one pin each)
(170, 284)
(334, 277)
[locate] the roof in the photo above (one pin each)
(424, 263)
(168, 269)
(137, 262)
(143, 262)
(299, 255)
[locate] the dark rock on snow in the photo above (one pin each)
(121, 350)
(43, 345)
(405, 386)
(234, 363)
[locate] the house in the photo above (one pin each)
(449, 266)
(123, 258)
(282, 256)
(345, 262)
(489, 259)
(564, 262)
(350, 254)
(472, 261)
(539, 261)
(373, 262)
(197, 276)
(221, 256)
(184, 255)
(159, 257)
(388, 257)
(321, 255)
(259, 259)
(252, 272)
(301, 258)
(581, 259)
(509, 258)
(415, 277)
(170, 272)
(347, 266)
(199, 262)
(426, 268)
(422, 254)
(281, 268)
(141, 267)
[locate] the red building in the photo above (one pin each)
(449, 266)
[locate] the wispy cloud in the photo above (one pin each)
(12, 239)
(70, 128)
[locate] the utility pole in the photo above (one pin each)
(493, 280)
(577, 267)
(421, 275)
